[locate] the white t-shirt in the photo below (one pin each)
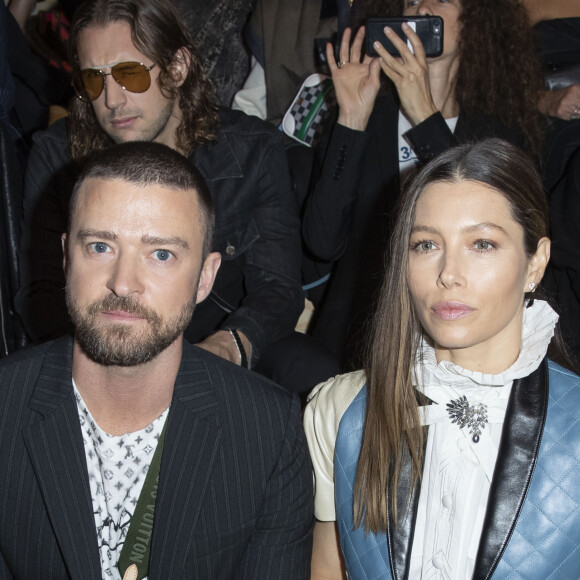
(117, 467)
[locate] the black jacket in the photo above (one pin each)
(257, 289)
(561, 176)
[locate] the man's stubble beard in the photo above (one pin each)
(119, 344)
(152, 131)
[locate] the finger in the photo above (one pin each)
(131, 573)
(418, 48)
(330, 58)
(345, 46)
(389, 71)
(399, 44)
(372, 61)
(375, 71)
(387, 60)
(356, 49)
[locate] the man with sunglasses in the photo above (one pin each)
(138, 77)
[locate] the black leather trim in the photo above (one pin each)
(518, 452)
(400, 536)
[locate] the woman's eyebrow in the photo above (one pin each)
(467, 229)
(483, 226)
(427, 229)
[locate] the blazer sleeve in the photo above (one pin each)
(281, 546)
(327, 216)
(431, 137)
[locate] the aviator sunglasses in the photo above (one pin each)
(132, 76)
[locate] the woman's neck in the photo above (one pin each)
(490, 356)
(480, 360)
(442, 81)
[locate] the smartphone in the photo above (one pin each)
(428, 28)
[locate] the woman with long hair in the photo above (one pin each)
(456, 452)
(486, 83)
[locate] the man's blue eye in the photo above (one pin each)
(100, 247)
(162, 255)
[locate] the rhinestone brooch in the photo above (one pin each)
(466, 415)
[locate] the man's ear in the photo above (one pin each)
(65, 259)
(180, 66)
(207, 276)
(538, 263)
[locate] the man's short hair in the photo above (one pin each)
(149, 163)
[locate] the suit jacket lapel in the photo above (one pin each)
(57, 454)
(518, 452)
(192, 443)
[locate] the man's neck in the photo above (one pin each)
(126, 399)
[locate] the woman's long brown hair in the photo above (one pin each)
(392, 427)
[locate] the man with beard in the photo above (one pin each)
(139, 77)
(127, 452)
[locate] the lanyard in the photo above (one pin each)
(134, 559)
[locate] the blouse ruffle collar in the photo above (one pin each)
(539, 321)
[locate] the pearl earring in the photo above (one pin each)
(532, 285)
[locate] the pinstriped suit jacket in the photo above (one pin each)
(235, 488)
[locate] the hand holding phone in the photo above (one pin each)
(356, 80)
(429, 29)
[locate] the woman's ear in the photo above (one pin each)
(538, 264)
(180, 66)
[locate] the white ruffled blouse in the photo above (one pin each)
(465, 422)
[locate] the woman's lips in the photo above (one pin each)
(451, 310)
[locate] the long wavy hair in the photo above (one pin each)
(392, 428)
(158, 32)
(500, 73)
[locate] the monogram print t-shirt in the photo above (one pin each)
(117, 467)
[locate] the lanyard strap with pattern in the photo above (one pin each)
(134, 559)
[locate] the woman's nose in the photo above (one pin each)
(451, 272)
(425, 8)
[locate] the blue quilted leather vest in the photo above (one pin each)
(545, 541)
